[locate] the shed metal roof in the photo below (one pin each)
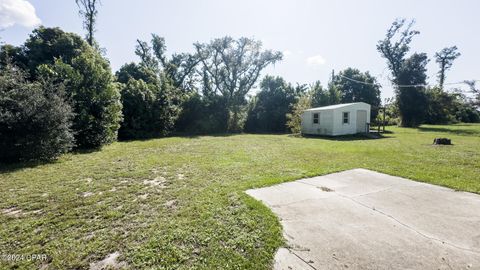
(332, 107)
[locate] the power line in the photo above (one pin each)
(357, 81)
(404, 85)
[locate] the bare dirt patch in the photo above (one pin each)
(13, 212)
(87, 194)
(110, 262)
(172, 204)
(159, 182)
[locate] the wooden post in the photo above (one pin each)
(384, 109)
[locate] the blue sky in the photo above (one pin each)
(315, 36)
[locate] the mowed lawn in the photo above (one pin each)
(179, 203)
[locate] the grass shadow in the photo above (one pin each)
(9, 167)
(16, 166)
(356, 137)
(198, 136)
(453, 131)
(178, 135)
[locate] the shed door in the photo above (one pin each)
(361, 121)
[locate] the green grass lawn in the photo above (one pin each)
(179, 203)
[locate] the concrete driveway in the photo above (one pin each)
(360, 219)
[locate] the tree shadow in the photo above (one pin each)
(178, 135)
(185, 135)
(10, 167)
(16, 166)
(449, 130)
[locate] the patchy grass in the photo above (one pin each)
(179, 203)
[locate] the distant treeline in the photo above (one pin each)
(58, 93)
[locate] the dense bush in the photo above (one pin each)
(441, 106)
(35, 120)
(138, 100)
(202, 116)
(88, 80)
(294, 119)
(467, 113)
(94, 96)
(151, 105)
(268, 110)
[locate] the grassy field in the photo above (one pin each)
(179, 203)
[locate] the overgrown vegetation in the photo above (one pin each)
(418, 103)
(34, 118)
(179, 203)
(89, 84)
(268, 110)
(208, 91)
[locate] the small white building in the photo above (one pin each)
(340, 119)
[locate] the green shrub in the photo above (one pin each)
(35, 119)
(89, 83)
(203, 115)
(149, 110)
(267, 112)
(94, 96)
(96, 101)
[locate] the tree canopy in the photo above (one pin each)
(356, 86)
(408, 73)
(230, 68)
(89, 84)
(445, 59)
(269, 108)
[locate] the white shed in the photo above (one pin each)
(340, 119)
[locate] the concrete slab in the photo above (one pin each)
(360, 219)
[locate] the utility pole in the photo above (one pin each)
(385, 103)
(384, 109)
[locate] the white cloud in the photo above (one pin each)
(316, 60)
(19, 12)
(287, 53)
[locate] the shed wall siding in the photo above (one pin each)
(325, 127)
(331, 121)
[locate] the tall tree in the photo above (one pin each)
(154, 91)
(44, 46)
(472, 84)
(408, 74)
(268, 109)
(88, 80)
(89, 11)
(411, 97)
(395, 50)
(179, 68)
(445, 59)
(230, 68)
(321, 96)
(356, 86)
